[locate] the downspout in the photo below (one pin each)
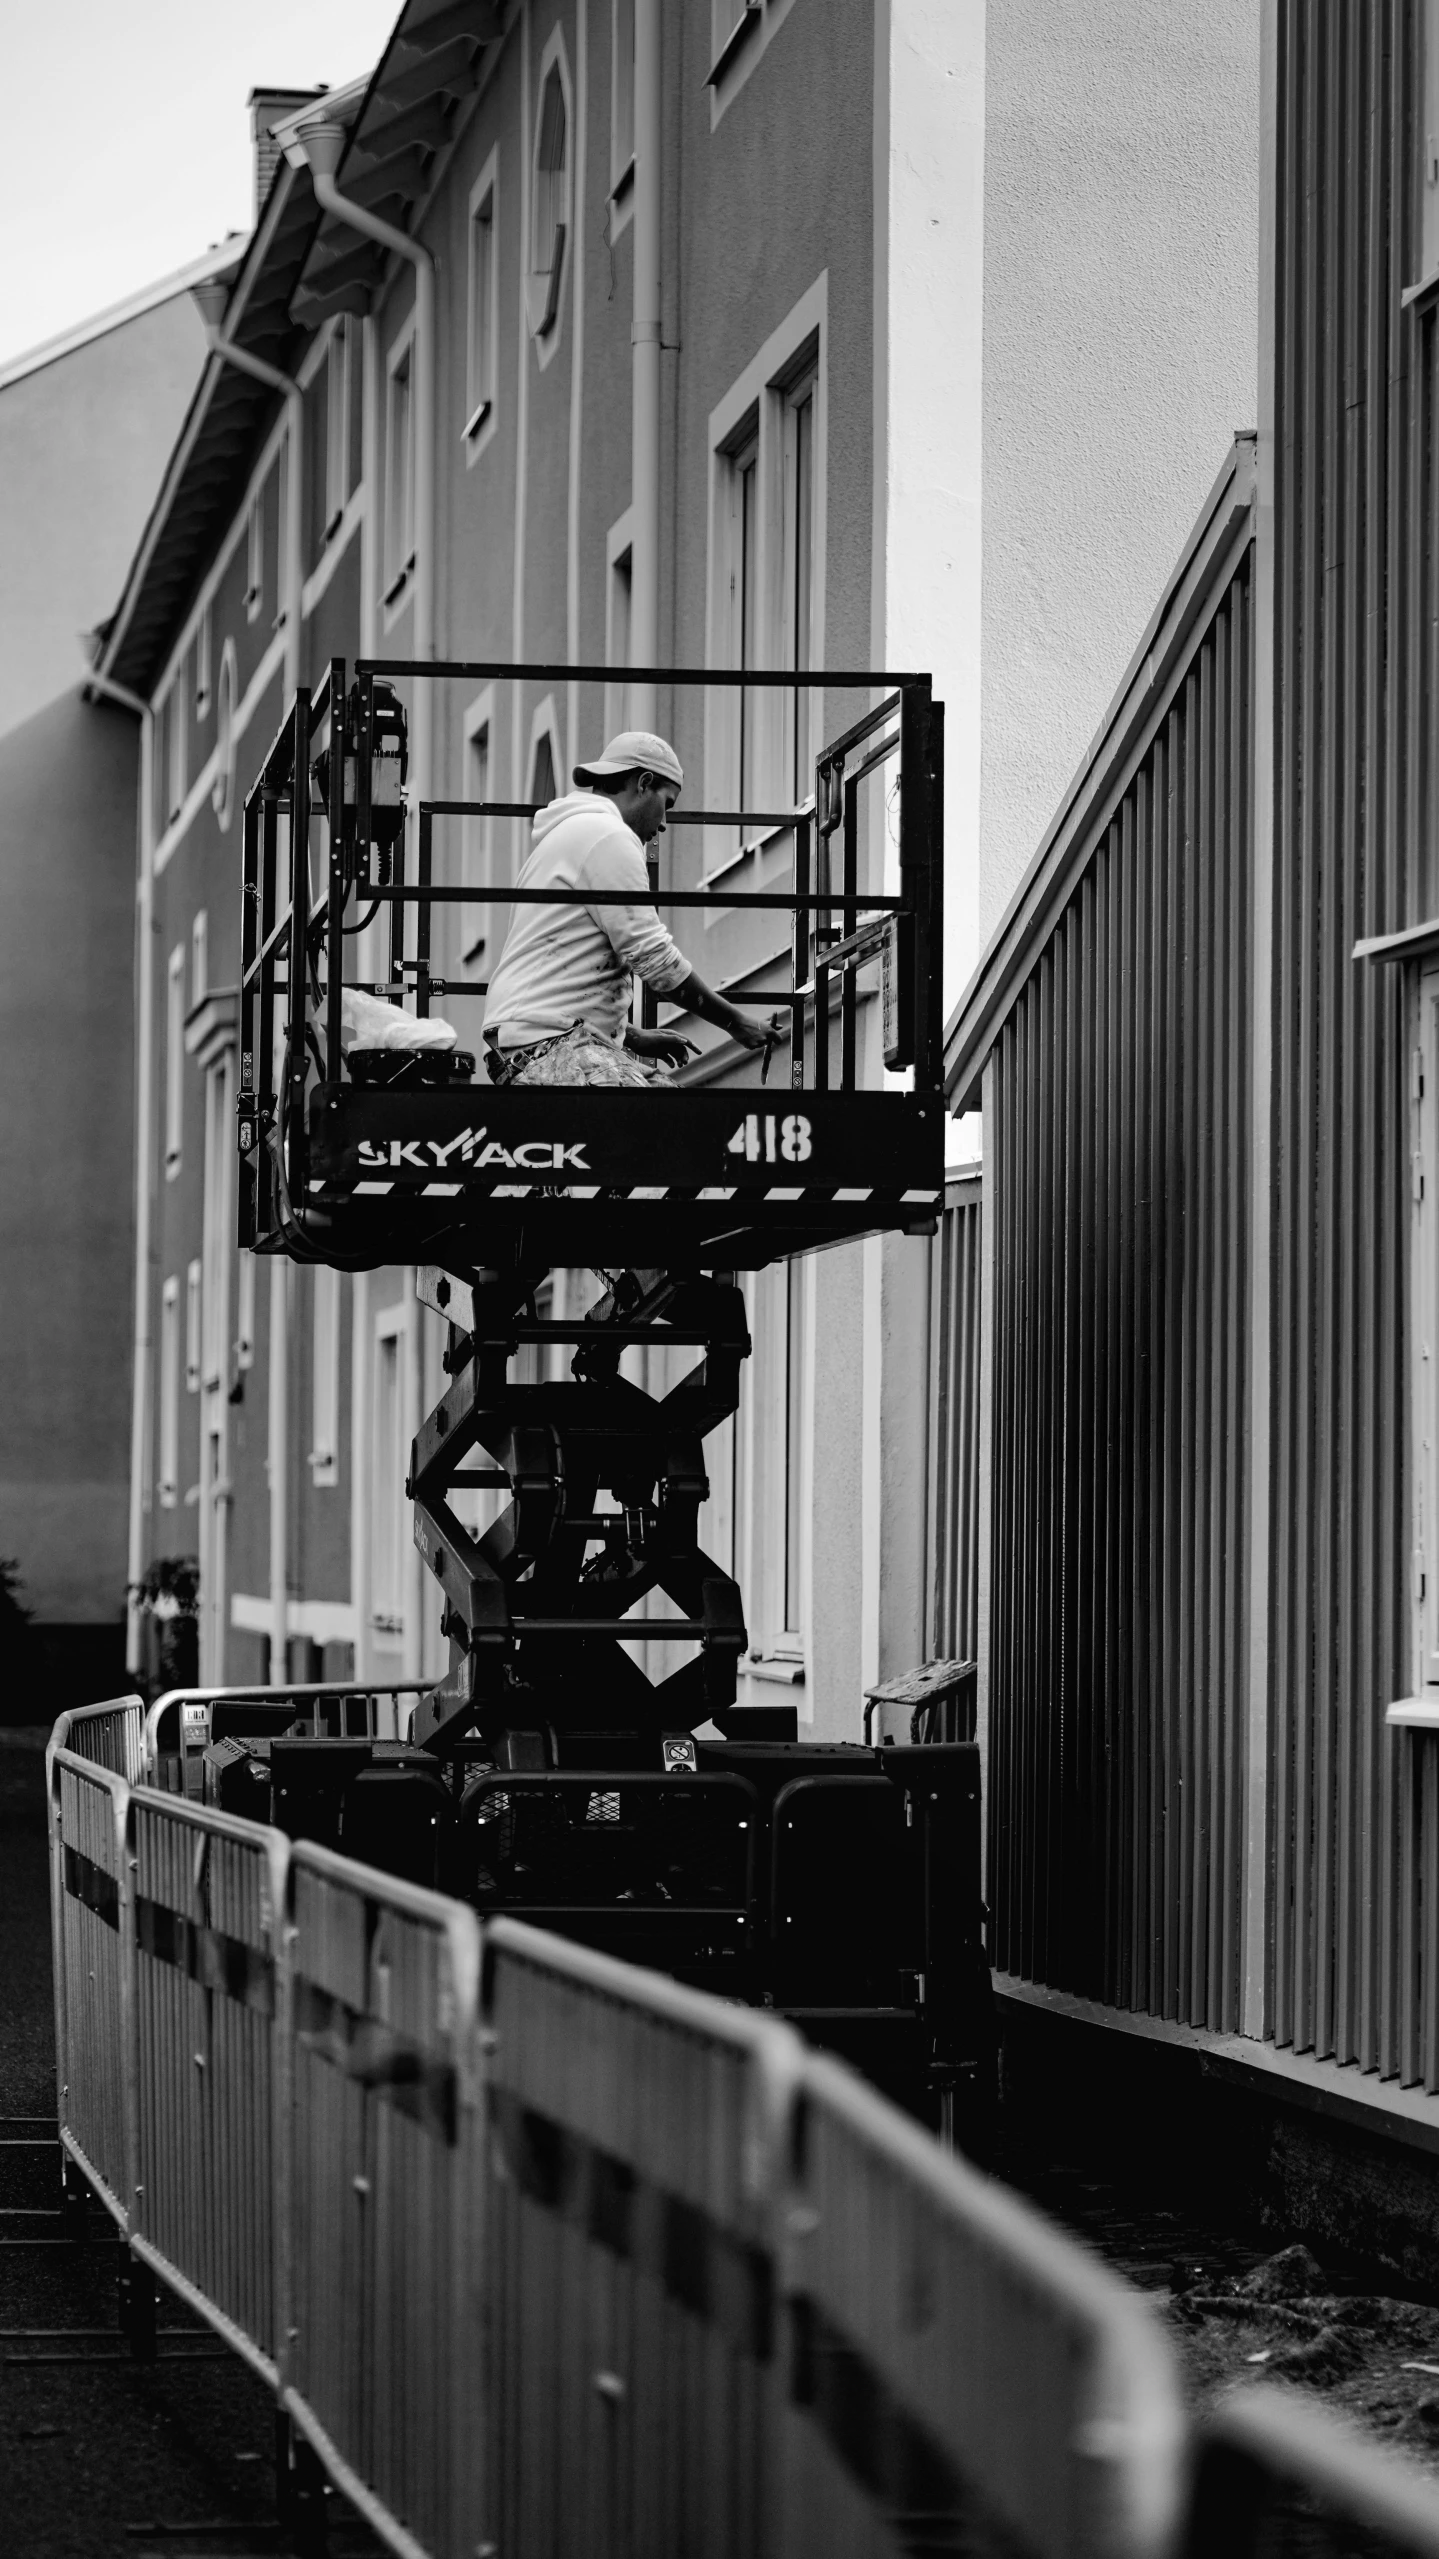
(645, 367)
(211, 299)
(323, 145)
(142, 1344)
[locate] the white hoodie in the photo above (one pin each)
(565, 964)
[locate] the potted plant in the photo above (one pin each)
(169, 1592)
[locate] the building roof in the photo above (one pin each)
(1204, 568)
(217, 261)
(404, 122)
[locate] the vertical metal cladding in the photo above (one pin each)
(1355, 598)
(1119, 1148)
(953, 1629)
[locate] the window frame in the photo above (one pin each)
(222, 793)
(194, 1325)
(622, 117)
(167, 1469)
(1426, 134)
(254, 595)
(544, 286)
(477, 841)
(399, 368)
(204, 645)
(176, 744)
(545, 723)
(175, 1063)
(741, 32)
(619, 565)
(482, 362)
(244, 1345)
(391, 1327)
(339, 378)
(791, 362)
(326, 1327)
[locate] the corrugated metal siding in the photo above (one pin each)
(1118, 1145)
(952, 1631)
(1355, 600)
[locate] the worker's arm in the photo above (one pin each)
(695, 996)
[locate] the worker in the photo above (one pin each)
(559, 998)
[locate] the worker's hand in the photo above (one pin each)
(671, 1046)
(755, 1031)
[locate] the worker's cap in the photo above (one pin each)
(634, 751)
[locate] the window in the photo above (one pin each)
(542, 777)
(169, 1472)
(773, 1471)
(798, 1437)
(618, 596)
(202, 666)
(175, 751)
(199, 959)
(245, 1314)
(255, 557)
(222, 797)
(766, 572)
(389, 1512)
(796, 602)
(174, 1060)
(622, 100)
(549, 203)
(217, 1239)
(476, 922)
(1427, 124)
(399, 472)
(732, 22)
(482, 365)
(337, 424)
(542, 770)
(325, 1377)
(740, 575)
(194, 1312)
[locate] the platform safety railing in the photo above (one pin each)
(539, 2250)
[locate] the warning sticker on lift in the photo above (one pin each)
(586, 1141)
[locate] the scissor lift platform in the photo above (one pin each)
(471, 1174)
(566, 1780)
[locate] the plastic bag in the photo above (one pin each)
(366, 1021)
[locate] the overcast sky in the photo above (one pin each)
(124, 139)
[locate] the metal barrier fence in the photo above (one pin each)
(177, 1728)
(111, 1735)
(92, 1932)
(385, 2261)
(1278, 2476)
(964, 2376)
(638, 2154)
(541, 2252)
(208, 1903)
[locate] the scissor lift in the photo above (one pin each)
(548, 1773)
